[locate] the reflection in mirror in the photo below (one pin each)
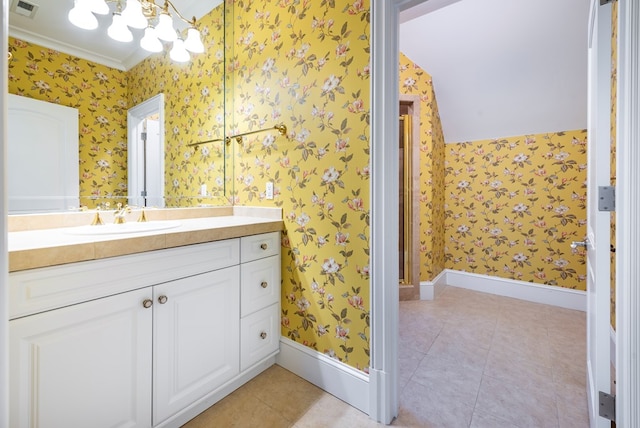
(145, 123)
(194, 111)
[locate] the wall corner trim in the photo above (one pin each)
(430, 289)
(338, 379)
(545, 294)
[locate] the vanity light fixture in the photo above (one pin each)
(156, 20)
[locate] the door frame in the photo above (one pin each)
(135, 116)
(627, 214)
(411, 291)
(384, 216)
(4, 261)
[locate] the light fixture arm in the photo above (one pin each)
(165, 8)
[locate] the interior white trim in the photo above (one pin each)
(627, 214)
(384, 305)
(4, 261)
(546, 294)
(338, 379)
(430, 289)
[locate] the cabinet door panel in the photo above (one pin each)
(196, 338)
(83, 366)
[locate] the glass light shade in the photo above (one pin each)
(81, 16)
(97, 6)
(133, 15)
(150, 41)
(118, 29)
(178, 53)
(164, 29)
(193, 43)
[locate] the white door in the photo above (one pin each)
(196, 345)
(598, 222)
(84, 365)
(44, 136)
(145, 124)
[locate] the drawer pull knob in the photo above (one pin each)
(264, 284)
(263, 335)
(163, 299)
(146, 303)
(264, 246)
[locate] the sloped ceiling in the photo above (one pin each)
(50, 28)
(502, 67)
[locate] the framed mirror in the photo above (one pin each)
(55, 62)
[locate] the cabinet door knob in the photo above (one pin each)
(263, 335)
(264, 284)
(163, 299)
(264, 246)
(146, 303)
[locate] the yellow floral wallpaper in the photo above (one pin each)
(414, 80)
(100, 95)
(306, 64)
(194, 111)
(614, 115)
(514, 206)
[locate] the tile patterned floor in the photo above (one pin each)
(467, 359)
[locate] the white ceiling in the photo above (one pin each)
(51, 28)
(502, 67)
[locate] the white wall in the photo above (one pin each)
(503, 67)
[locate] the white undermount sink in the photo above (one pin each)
(132, 227)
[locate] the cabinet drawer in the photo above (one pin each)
(260, 284)
(37, 290)
(259, 335)
(259, 246)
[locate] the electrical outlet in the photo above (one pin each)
(203, 190)
(268, 192)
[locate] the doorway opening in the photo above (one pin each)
(409, 220)
(145, 124)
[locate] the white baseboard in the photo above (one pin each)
(430, 289)
(340, 380)
(546, 294)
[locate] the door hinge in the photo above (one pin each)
(607, 406)
(143, 136)
(606, 198)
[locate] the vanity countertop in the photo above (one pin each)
(49, 247)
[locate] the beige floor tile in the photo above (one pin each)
(418, 335)
(448, 379)
(239, 409)
(572, 406)
(450, 347)
(526, 406)
(504, 366)
(284, 392)
(330, 412)
(408, 361)
(422, 406)
(488, 421)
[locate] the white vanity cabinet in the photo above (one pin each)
(149, 339)
(85, 365)
(196, 334)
